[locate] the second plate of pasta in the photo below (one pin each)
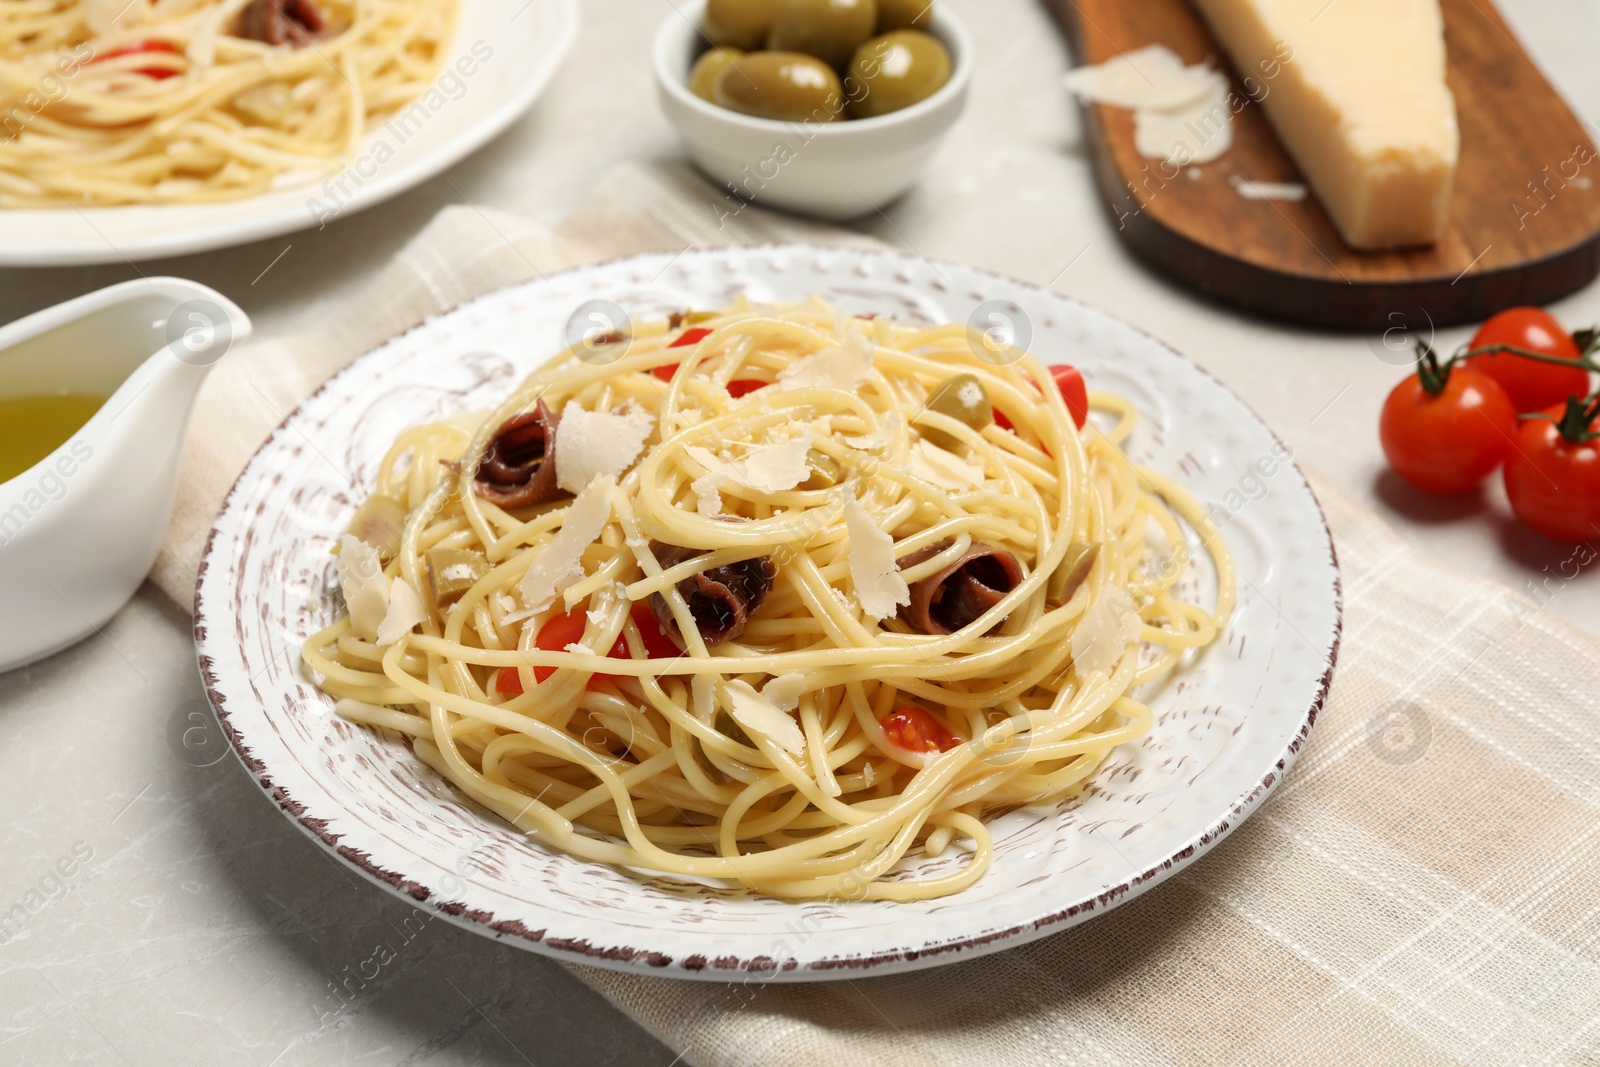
(744, 612)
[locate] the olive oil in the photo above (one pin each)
(32, 427)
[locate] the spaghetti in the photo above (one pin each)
(189, 101)
(784, 613)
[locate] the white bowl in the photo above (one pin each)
(833, 170)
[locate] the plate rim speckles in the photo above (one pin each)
(251, 696)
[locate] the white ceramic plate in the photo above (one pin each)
(513, 48)
(1226, 729)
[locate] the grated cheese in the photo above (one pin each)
(879, 587)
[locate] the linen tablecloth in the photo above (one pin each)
(1421, 889)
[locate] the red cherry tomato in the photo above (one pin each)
(562, 630)
(744, 386)
(1554, 483)
(1069, 380)
(140, 48)
(685, 339)
(1450, 442)
(1531, 385)
(1073, 390)
(916, 730)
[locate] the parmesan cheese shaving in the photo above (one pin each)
(595, 444)
(1291, 191)
(1181, 114)
(784, 691)
(1151, 77)
(879, 587)
(760, 717)
(1102, 638)
(835, 368)
(560, 564)
(406, 612)
(933, 464)
(366, 594)
(776, 468)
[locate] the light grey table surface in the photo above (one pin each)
(197, 926)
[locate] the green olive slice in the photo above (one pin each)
(964, 399)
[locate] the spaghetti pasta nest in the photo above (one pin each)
(788, 617)
(109, 102)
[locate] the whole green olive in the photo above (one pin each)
(703, 76)
(964, 399)
(742, 24)
(831, 30)
(904, 15)
(785, 86)
(895, 71)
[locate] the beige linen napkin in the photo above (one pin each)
(1424, 888)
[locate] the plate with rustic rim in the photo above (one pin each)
(1227, 727)
(504, 55)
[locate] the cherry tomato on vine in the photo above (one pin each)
(1448, 439)
(1553, 475)
(1531, 385)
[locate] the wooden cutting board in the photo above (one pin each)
(1524, 220)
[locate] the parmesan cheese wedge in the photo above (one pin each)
(406, 612)
(1356, 92)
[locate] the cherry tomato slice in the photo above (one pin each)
(1074, 391)
(916, 730)
(1531, 385)
(685, 339)
(744, 387)
(140, 48)
(1451, 442)
(562, 630)
(691, 337)
(1554, 484)
(1069, 380)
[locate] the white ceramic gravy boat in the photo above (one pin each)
(80, 529)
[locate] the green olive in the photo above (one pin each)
(1073, 572)
(831, 30)
(452, 571)
(904, 15)
(704, 73)
(785, 86)
(379, 523)
(895, 71)
(961, 398)
(740, 23)
(825, 471)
